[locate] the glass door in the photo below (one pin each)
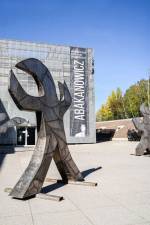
(25, 136)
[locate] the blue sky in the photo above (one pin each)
(118, 30)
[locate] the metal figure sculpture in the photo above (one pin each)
(143, 126)
(10, 122)
(51, 140)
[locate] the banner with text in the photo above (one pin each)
(79, 126)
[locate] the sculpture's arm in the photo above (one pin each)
(42, 77)
(11, 123)
(145, 110)
(65, 97)
(137, 123)
(20, 97)
(16, 121)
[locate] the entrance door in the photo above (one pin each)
(26, 136)
(21, 136)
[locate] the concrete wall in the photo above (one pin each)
(121, 127)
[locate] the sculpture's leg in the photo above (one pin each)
(65, 164)
(139, 150)
(142, 146)
(60, 165)
(62, 157)
(32, 179)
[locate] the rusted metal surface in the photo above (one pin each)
(51, 142)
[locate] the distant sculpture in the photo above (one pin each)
(9, 123)
(51, 142)
(143, 126)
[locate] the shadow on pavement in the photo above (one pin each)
(85, 173)
(147, 154)
(60, 184)
(52, 187)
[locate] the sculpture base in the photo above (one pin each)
(50, 197)
(55, 197)
(40, 195)
(84, 183)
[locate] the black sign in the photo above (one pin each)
(79, 92)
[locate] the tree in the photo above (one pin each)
(118, 106)
(113, 109)
(134, 96)
(104, 113)
(115, 103)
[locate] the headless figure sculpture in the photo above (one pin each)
(51, 142)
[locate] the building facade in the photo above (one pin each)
(72, 64)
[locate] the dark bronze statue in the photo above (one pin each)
(51, 142)
(143, 126)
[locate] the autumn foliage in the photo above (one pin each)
(119, 106)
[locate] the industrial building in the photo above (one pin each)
(72, 64)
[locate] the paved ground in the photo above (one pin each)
(121, 198)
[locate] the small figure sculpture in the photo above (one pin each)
(143, 126)
(51, 140)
